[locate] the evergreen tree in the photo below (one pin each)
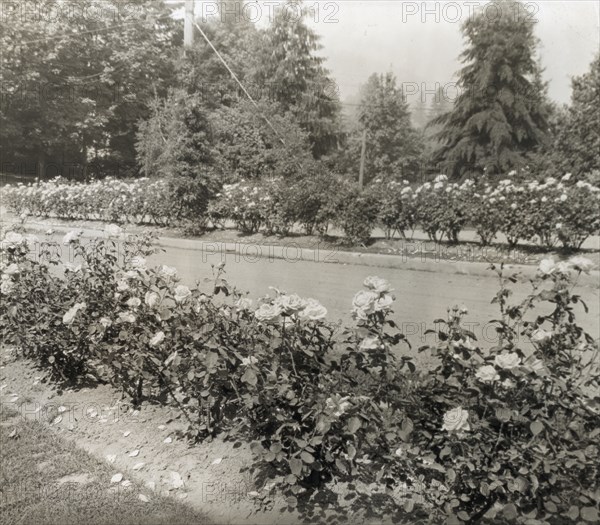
(393, 145)
(292, 74)
(577, 144)
(497, 118)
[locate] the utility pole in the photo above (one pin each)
(188, 26)
(361, 174)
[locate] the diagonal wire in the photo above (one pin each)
(234, 76)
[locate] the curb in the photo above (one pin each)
(253, 252)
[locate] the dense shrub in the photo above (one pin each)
(508, 432)
(521, 209)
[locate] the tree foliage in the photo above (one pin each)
(393, 146)
(75, 85)
(497, 117)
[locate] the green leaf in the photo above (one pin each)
(536, 427)
(510, 511)
(250, 377)
(353, 424)
(295, 466)
(590, 514)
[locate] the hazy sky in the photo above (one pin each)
(420, 41)
(380, 35)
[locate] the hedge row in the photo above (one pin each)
(548, 213)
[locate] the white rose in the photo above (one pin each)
(383, 303)
(13, 238)
(113, 230)
(370, 343)
(158, 338)
(487, 374)
(338, 405)
(583, 264)
(151, 299)
(247, 361)
(71, 236)
(72, 268)
(105, 322)
(138, 262)
(456, 420)
(377, 284)
(507, 361)
(134, 302)
(563, 197)
(313, 311)
(364, 303)
(168, 271)
(126, 317)
(122, 286)
(267, 312)
(540, 335)
(563, 267)
(290, 303)
(11, 269)
(182, 293)
(547, 266)
(71, 313)
(6, 287)
(243, 303)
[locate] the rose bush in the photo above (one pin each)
(340, 417)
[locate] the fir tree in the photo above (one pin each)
(497, 118)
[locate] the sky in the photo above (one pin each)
(420, 41)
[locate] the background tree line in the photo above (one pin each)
(99, 93)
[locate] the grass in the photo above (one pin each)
(46, 479)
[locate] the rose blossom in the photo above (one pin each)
(126, 317)
(138, 262)
(182, 293)
(71, 236)
(267, 312)
(70, 314)
(105, 322)
(122, 285)
(540, 335)
(151, 299)
(377, 284)
(313, 311)
(7, 286)
(158, 338)
(487, 374)
(583, 264)
(507, 361)
(364, 303)
(243, 303)
(13, 238)
(370, 343)
(383, 303)
(168, 271)
(247, 361)
(290, 303)
(113, 230)
(11, 269)
(134, 302)
(547, 266)
(338, 405)
(456, 420)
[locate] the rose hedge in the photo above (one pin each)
(548, 213)
(508, 433)
(137, 201)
